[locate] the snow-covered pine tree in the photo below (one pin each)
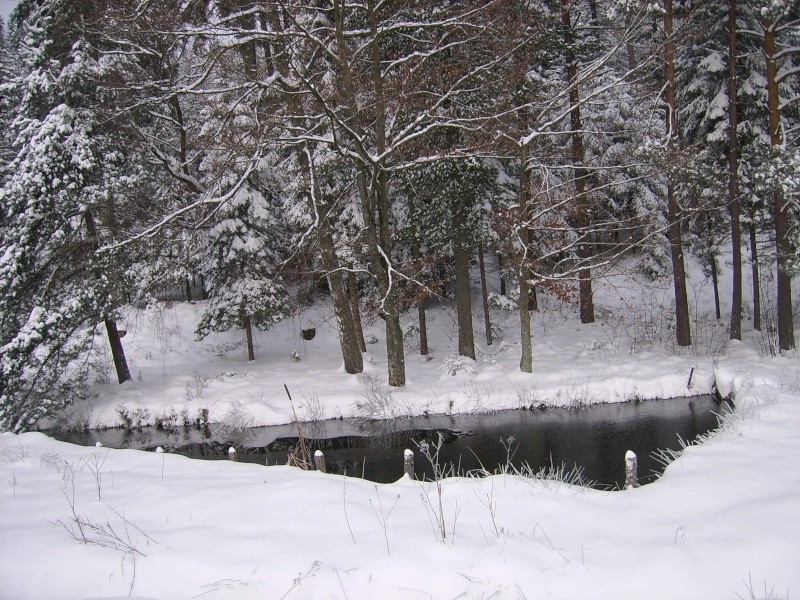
(54, 288)
(240, 253)
(778, 23)
(447, 197)
(8, 100)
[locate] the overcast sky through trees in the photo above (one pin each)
(6, 6)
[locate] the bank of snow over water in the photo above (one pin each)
(723, 521)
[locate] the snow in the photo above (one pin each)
(722, 522)
(723, 515)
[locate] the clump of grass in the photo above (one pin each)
(375, 401)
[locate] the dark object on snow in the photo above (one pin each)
(308, 334)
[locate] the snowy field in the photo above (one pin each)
(723, 522)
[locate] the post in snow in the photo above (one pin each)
(408, 463)
(631, 469)
(319, 461)
(233, 456)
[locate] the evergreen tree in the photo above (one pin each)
(54, 287)
(239, 264)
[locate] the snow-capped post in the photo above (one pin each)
(408, 463)
(689, 383)
(631, 468)
(319, 461)
(233, 455)
(160, 450)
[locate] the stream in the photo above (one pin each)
(590, 441)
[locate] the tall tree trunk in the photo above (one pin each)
(381, 248)
(733, 178)
(423, 329)
(356, 310)
(682, 328)
(503, 291)
(188, 288)
(754, 270)
(581, 205)
(487, 323)
(423, 322)
(466, 337)
(114, 339)
(348, 339)
(117, 351)
(526, 359)
(248, 332)
(715, 285)
(781, 207)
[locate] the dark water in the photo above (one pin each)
(594, 439)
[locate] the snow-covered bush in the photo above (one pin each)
(504, 303)
(454, 365)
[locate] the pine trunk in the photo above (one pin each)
(348, 338)
(355, 309)
(466, 336)
(487, 323)
(503, 291)
(423, 329)
(526, 359)
(248, 332)
(715, 285)
(733, 179)
(117, 352)
(381, 248)
(756, 275)
(781, 207)
(114, 339)
(682, 329)
(423, 322)
(581, 205)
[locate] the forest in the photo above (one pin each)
(260, 155)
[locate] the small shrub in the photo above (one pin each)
(375, 400)
(504, 303)
(196, 387)
(134, 418)
(453, 365)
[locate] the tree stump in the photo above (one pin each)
(308, 334)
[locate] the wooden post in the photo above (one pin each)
(319, 461)
(233, 455)
(408, 463)
(631, 469)
(689, 383)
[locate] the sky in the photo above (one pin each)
(6, 6)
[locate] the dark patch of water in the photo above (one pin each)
(594, 439)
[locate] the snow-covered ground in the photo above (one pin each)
(723, 522)
(628, 354)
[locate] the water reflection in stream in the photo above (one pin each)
(594, 438)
